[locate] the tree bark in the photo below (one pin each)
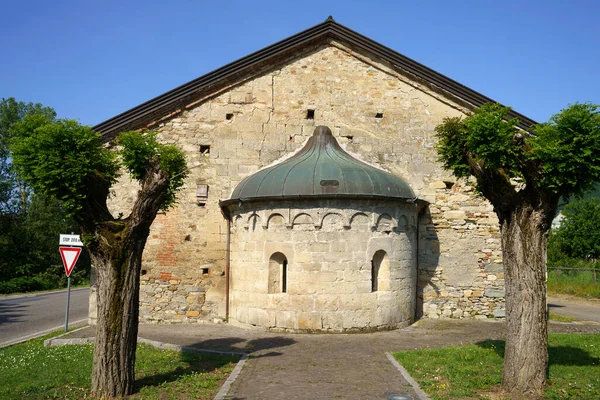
(118, 267)
(524, 235)
(116, 252)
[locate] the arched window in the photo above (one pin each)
(278, 265)
(380, 271)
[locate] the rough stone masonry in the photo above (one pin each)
(379, 115)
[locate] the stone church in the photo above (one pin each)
(315, 201)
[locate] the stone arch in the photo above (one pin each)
(403, 223)
(303, 222)
(278, 272)
(276, 222)
(359, 221)
(380, 271)
(238, 222)
(332, 222)
(253, 221)
(384, 223)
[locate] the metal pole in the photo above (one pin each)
(68, 301)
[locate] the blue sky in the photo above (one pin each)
(92, 60)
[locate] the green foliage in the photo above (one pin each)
(486, 139)
(29, 222)
(12, 190)
(140, 149)
(559, 157)
(578, 235)
(24, 284)
(29, 248)
(137, 152)
(173, 162)
(566, 149)
(66, 164)
(59, 158)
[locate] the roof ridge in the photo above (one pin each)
(178, 98)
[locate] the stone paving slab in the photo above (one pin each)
(326, 366)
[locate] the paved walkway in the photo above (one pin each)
(582, 309)
(327, 366)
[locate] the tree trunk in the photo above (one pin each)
(116, 250)
(118, 266)
(526, 351)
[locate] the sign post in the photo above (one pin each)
(69, 256)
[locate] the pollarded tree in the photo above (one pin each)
(523, 174)
(67, 161)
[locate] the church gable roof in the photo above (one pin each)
(182, 97)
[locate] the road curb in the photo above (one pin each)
(418, 391)
(42, 333)
(33, 294)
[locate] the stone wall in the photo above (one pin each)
(328, 247)
(378, 115)
(460, 285)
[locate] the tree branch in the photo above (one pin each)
(150, 199)
(495, 186)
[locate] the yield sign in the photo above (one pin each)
(69, 257)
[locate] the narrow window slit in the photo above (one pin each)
(284, 277)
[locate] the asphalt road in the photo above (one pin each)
(584, 310)
(28, 316)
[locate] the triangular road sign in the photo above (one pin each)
(69, 256)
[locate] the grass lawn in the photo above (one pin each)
(575, 283)
(469, 372)
(32, 371)
(561, 318)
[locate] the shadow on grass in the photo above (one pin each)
(558, 355)
(197, 362)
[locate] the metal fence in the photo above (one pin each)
(594, 271)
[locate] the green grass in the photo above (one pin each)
(474, 370)
(32, 371)
(561, 318)
(576, 283)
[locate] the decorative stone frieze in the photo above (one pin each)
(329, 247)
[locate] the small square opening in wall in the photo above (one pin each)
(202, 194)
(144, 272)
(205, 271)
(229, 116)
(205, 149)
(310, 114)
(449, 184)
(379, 115)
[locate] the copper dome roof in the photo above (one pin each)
(321, 169)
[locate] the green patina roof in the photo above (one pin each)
(321, 169)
